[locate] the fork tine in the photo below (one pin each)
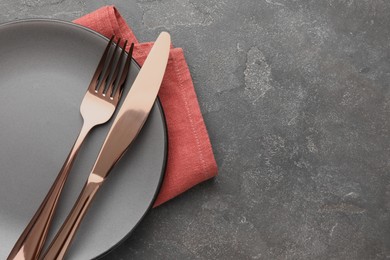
(111, 85)
(125, 71)
(127, 65)
(102, 87)
(99, 68)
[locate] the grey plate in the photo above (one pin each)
(45, 68)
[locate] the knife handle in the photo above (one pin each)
(65, 235)
(31, 241)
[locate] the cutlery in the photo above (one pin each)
(97, 107)
(126, 126)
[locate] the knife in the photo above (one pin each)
(125, 128)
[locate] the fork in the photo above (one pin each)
(97, 107)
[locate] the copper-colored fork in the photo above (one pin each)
(97, 107)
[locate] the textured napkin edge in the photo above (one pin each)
(186, 90)
(98, 21)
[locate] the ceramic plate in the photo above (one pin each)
(45, 68)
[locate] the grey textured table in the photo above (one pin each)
(296, 99)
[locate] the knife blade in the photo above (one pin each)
(128, 123)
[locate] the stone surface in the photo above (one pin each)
(296, 98)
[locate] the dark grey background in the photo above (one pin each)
(295, 96)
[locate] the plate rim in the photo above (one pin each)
(157, 103)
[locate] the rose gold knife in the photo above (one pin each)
(125, 128)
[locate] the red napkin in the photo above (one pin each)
(190, 156)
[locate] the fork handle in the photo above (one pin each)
(65, 235)
(32, 240)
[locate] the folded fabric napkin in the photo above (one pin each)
(190, 156)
